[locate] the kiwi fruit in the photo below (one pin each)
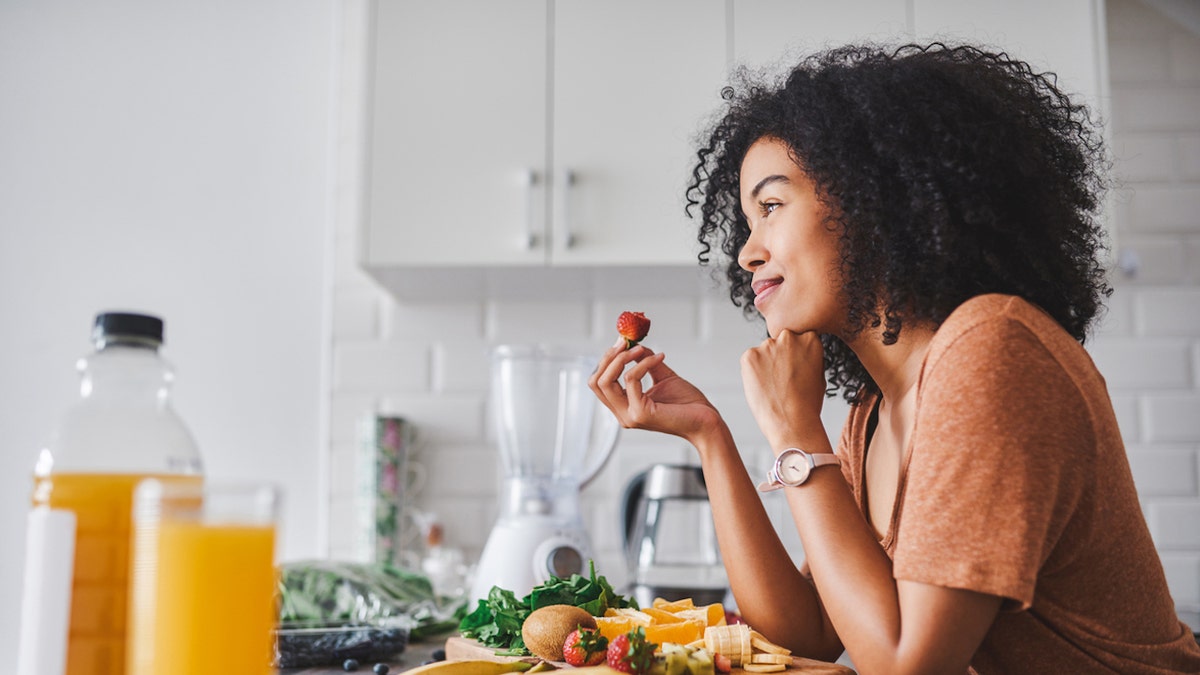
(546, 629)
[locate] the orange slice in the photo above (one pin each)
(673, 605)
(663, 616)
(680, 632)
(612, 626)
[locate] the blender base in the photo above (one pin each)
(526, 551)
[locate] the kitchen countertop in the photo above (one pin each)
(413, 655)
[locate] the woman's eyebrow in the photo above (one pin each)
(774, 178)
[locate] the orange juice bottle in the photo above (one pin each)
(121, 430)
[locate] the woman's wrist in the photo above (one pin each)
(712, 439)
(812, 441)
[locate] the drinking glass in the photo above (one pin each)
(202, 592)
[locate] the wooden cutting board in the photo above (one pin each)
(458, 647)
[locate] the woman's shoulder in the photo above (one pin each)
(994, 325)
(999, 313)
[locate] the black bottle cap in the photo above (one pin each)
(117, 325)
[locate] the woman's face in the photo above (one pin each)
(792, 251)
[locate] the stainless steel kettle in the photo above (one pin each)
(670, 544)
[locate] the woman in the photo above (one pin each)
(918, 228)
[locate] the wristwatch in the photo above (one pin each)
(793, 466)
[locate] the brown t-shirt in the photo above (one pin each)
(1016, 484)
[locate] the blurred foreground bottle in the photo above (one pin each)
(77, 566)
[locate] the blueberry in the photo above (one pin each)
(381, 669)
(439, 654)
(350, 665)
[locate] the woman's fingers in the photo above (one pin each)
(624, 401)
(633, 383)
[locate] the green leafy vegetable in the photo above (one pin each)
(330, 593)
(496, 621)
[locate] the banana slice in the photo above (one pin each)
(766, 657)
(764, 667)
(763, 644)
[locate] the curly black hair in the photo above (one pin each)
(950, 171)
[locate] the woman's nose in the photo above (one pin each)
(753, 254)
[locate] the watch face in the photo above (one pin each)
(793, 468)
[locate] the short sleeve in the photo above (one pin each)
(1000, 453)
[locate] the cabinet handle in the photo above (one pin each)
(529, 239)
(564, 221)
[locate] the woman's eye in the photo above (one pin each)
(767, 207)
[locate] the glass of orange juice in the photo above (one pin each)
(203, 579)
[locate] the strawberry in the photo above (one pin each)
(722, 663)
(630, 653)
(633, 326)
(585, 647)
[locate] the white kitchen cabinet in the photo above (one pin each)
(543, 147)
(1064, 37)
(775, 34)
(457, 124)
(535, 132)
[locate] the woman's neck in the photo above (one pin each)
(895, 368)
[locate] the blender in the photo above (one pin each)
(554, 437)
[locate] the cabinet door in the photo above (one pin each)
(773, 35)
(457, 128)
(633, 84)
(1062, 37)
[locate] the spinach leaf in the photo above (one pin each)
(496, 621)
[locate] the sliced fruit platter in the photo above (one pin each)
(603, 632)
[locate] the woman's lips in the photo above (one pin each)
(763, 289)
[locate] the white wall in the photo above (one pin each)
(170, 157)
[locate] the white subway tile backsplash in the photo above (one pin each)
(461, 366)
(1130, 363)
(1188, 148)
(712, 368)
(724, 323)
(466, 521)
(1127, 410)
(1175, 524)
(544, 322)
(1116, 319)
(1172, 417)
(439, 418)
(461, 470)
(1158, 259)
(1133, 19)
(1183, 578)
(1169, 208)
(449, 321)
(1169, 312)
(1184, 51)
(1149, 107)
(1143, 157)
(1164, 471)
(1135, 60)
(380, 367)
